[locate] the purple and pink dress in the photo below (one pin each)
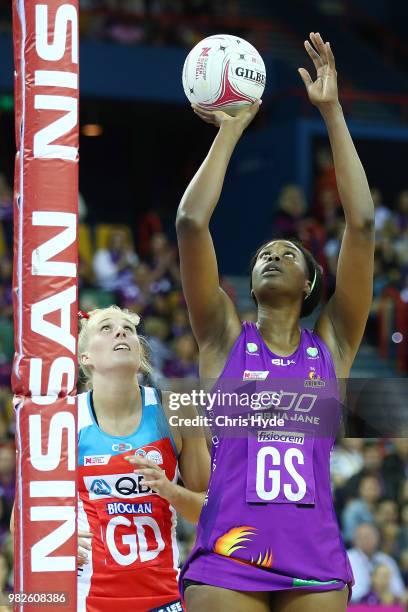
(268, 522)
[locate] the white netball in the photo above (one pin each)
(224, 72)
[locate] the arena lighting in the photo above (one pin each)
(92, 129)
(397, 337)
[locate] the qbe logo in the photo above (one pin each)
(125, 486)
(100, 487)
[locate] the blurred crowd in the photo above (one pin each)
(370, 487)
(141, 272)
(320, 228)
(149, 22)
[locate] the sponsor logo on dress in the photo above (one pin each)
(288, 437)
(125, 486)
(252, 347)
(100, 487)
(283, 362)
(312, 352)
(126, 508)
(96, 459)
(255, 375)
(121, 447)
(314, 381)
(151, 453)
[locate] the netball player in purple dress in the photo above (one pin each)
(268, 537)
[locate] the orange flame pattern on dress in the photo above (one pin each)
(266, 561)
(230, 541)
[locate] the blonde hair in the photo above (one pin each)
(84, 324)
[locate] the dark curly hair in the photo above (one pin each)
(315, 276)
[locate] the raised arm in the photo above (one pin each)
(212, 314)
(344, 318)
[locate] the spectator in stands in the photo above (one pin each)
(8, 551)
(361, 510)
(4, 575)
(159, 307)
(137, 293)
(325, 179)
(149, 224)
(382, 212)
(164, 265)
(291, 210)
(386, 252)
(114, 266)
(380, 590)
(120, 29)
(402, 497)
(157, 332)
(403, 535)
(402, 210)
(395, 467)
(365, 556)
(6, 297)
(6, 414)
(6, 210)
(6, 300)
(330, 209)
(403, 564)
(386, 512)
(389, 538)
(7, 472)
(372, 464)
(180, 323)
(346, 460)
(4, 519)
(184, 363)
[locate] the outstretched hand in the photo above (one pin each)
(218, 118)
(323, 90)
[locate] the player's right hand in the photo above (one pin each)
(84, 545)
(219, 118)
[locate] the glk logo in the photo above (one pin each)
(100, 487)
(313, 352)
(252, 347)
(283, 362)
(121, 447)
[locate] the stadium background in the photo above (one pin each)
(140, 144)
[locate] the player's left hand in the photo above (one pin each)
(322, 91)
(153, 476)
